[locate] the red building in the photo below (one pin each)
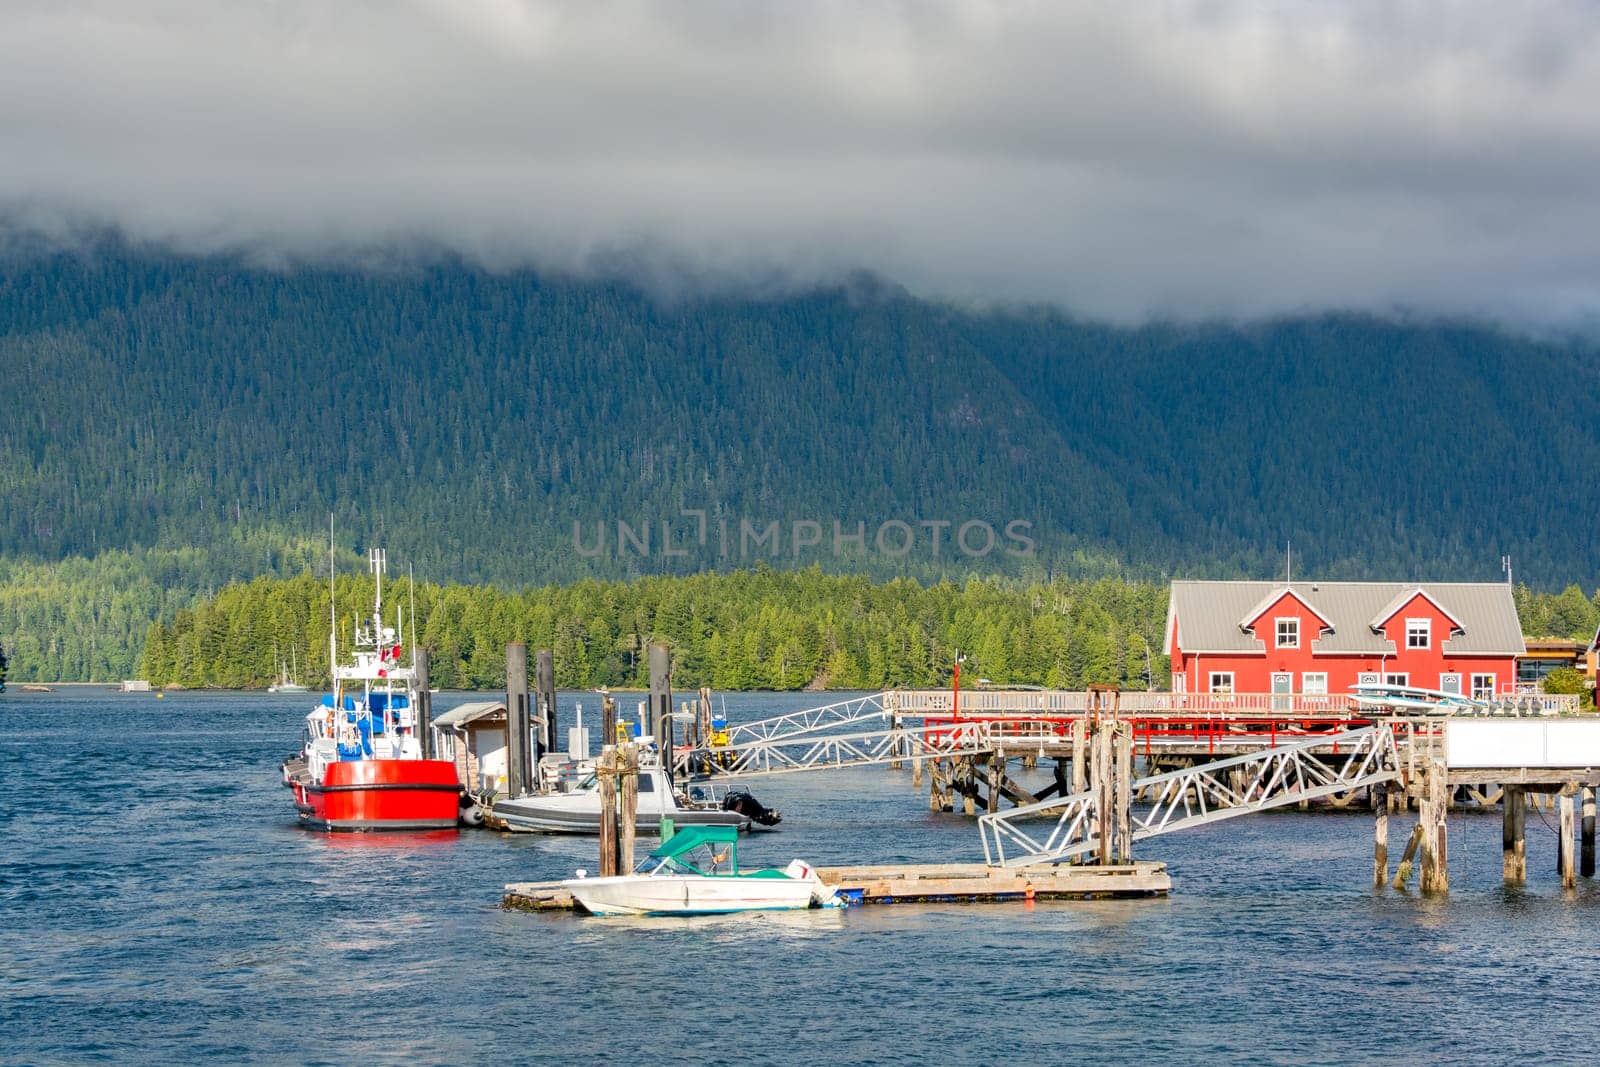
(1324, 637)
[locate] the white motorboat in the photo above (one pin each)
(696, 872)
(577, 810)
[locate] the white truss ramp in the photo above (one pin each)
(789, 753)
(1058, 829)
(798, 723)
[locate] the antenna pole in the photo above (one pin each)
(411, 582)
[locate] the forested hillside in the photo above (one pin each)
(759, 629)
(174, 424)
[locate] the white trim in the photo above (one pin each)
(1211, 681)
(1450, 674)
(1426, 626)
(1400, 678)
(1393, 608)
(1277, 631)
(1322, 683)
(1494, 679)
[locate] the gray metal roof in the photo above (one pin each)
(1209, 614)
(462, 714)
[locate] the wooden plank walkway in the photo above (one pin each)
(928, 883)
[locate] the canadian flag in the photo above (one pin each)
(392, 653)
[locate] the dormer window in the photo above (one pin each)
(1419, 633)
(1288, 633)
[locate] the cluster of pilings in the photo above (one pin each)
(1101, 761)
(531, 730)
(1428, 846)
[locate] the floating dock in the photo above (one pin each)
(967, 883)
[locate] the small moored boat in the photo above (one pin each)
(576, 810)
(696, 872)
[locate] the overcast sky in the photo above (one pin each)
(1119, 159)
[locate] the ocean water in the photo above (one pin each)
(158, 904)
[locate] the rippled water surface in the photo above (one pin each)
(158, 903)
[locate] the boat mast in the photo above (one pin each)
(333, 620)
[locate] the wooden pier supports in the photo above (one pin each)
(1434, 820)
(1566, 861)
(1429, 840)
(423, 712)
(520, 763)
(1513, 841)
(1380, 836)
(659, 720)
(545, 724)
(1586, 860)
(617, 769)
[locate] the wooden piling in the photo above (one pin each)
(1435, 831)
(1566, 853)
(1380, 835)
(628, 814)
(1122, 776)
(997, 776)
(605, 771)
(608, 720)
(1080, 731)
(1513, 845)
(659, 719)
(1105, 800)
(424, 709)
(520, 763)
(1586, 853)
(544, 684)
(1403, 872)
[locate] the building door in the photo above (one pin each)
(1282, 690)
(1450, 683)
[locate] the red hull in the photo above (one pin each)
(381, 794)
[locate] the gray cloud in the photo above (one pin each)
(1122, 160)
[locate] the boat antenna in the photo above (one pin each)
(411, 586)
(333, 612)
(1288, 560)
(379, 561)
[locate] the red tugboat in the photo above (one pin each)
(364, 765)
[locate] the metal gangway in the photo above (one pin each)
(1063, 827)
(814, 751)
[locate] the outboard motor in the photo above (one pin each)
(748, 806)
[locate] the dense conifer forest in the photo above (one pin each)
(760, 629)
(174, 424)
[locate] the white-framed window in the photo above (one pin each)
(1483, 687)
(1314, 683)
(1419, 633)
(1397, 679)
(1221, 682)
(1288, 633)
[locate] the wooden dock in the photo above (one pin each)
(967, 883)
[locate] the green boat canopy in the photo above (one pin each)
(692, 837)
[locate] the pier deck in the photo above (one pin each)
(939, 882)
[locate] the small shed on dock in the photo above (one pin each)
(476, 733)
